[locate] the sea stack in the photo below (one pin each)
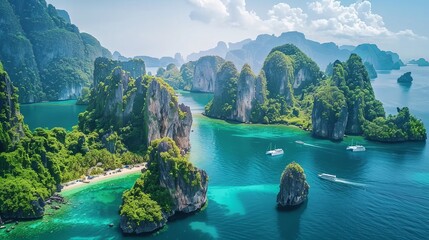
(405, 78)
(293, 186)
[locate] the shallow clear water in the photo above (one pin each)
(383, 192)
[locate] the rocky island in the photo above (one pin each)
(421, 62)
(291, 90)
(293, 186)
(170, 186)
(405, 78)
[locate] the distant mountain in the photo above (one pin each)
(152, 61)
(220, 50)
(421, 62)
(254, 52)
(46, 56)
(381, 60)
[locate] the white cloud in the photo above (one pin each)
(234, 13)
(329, 19)
(356, 21)
(208, 10)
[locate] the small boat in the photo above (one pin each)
(111, 225)
(299, 142)
(86, 181)
(8, 230)
(326, 176)
(1, 227)
(275, 152)
(356, 148)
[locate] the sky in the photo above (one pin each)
(165, 27)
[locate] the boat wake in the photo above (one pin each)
(312, 145)
(341, 180)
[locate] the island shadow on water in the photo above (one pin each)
(289, 219)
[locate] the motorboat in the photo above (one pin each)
(299, 142)
(275, 152)
(326, 176)
(356, 148)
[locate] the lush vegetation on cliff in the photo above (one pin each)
(223, 105)
(34, 164)
(396, 128)
(365, 114)
(46, 57)
(148, 200)
(282, 91)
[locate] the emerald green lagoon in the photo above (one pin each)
(382, 193)
(52, 114)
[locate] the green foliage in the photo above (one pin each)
(223, 103)
(139, 207)
(172, 76)
(187, 73)
(332, 101)
(398, 128)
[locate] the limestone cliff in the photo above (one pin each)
(165, 118)
(223, 103)
(171, 185)
(46, 56)
(246, 89)
(293, 186)
(330, 113)
(11, 124)
(206, 69)
(140, 110)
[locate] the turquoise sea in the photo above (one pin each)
(383, 192)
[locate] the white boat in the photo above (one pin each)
(275, 152)
(356, 148)
(326, 176)
(299, 142)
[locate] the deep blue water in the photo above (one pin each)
(384, 192)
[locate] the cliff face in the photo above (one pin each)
(205, 71)
(246, 89)
(293, 186)
(165, 118)
(171, 185)
(278, 69)
(146, 106)
(330, 114)
(188, 189)
(11, 124)
(46, 56)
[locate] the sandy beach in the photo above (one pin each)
(113, 174)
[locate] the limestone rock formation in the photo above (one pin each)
(171, 185)
(246, 89)
(165, 118)
(405, 78)
(206, 69)
(146, 106)
(293, 186)
(46, 56)
(11, 125)
(330, 113)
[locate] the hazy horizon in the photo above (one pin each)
(165, 27)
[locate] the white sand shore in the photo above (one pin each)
(111, 174)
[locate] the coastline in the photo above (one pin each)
(101, 178)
